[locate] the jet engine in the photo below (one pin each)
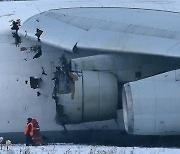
(152, 107)
(86, 96)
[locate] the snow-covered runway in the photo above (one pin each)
(84, 149)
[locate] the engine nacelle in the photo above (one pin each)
(94, 97)
(152, 107)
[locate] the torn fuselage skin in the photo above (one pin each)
(63, 84)
(35, 82)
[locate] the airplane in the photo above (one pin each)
(73, 62)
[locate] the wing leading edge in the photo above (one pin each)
(95, 34)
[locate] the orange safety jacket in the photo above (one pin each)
(26, 130)
(34, 130)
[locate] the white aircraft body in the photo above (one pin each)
(122, 63)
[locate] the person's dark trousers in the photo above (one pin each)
(28, 140)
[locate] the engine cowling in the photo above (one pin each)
(152, 107)
(93, 98)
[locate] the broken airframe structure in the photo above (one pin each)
(73, 88)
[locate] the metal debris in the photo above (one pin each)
(38, 93)
(39, 52)
(17, 39)
(35, 48)
(43, 72)
(15, 25)
(38, 33)
(25, 34)
(23, 49)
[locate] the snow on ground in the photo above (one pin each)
(83, 149)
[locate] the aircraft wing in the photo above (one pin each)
(117, 30)
(122, 42)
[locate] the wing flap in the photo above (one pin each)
(121, 42)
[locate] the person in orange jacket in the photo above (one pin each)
(27, 132)
(36, 135)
